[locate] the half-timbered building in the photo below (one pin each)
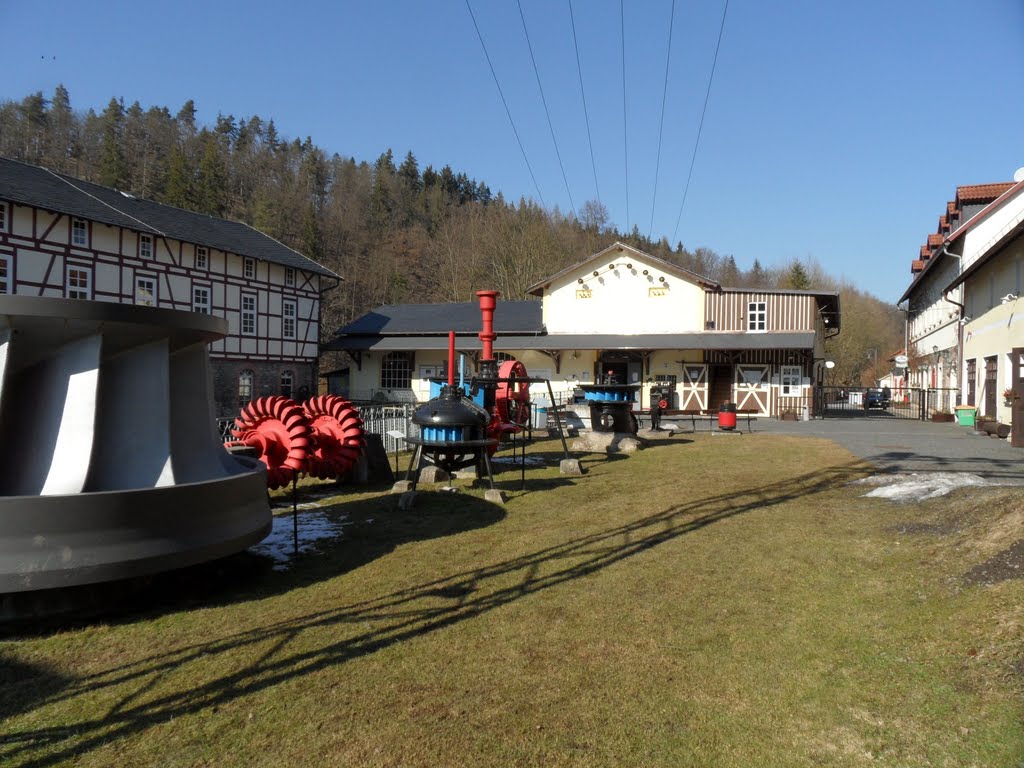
(619, 314)
(61, 236)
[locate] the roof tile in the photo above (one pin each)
(976, 193)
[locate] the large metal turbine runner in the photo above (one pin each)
(110, 465)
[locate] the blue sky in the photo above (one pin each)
(835, 131)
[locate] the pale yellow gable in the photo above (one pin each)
(622, 294)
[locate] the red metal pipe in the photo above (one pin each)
(451, 358)
(488, 301)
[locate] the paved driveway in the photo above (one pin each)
(895, 445)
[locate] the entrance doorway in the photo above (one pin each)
(720, 386)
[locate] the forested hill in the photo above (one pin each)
(396, 232)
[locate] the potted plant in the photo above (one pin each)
(1008, 396)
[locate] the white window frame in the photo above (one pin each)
(145, 246)
(248, 315)
(757, 316)
(248, 268)
(289, 318)
(287, 383)
(203, 305)
(3, 216)
(202, 258)
(791, 381)
(81, 290)
(5, 275)
(289, 277)
(80, 233)
(396, 370)
(153, 288)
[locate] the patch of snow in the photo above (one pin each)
(313, 527)
(916, 486)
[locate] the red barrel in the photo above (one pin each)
(727, 416)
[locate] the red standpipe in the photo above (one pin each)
(451, 358)
(488, 301)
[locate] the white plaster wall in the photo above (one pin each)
(983, 235)
(623, 300)
(996, 327)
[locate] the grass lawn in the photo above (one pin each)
(710, 601)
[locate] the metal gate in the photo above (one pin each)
(882, 403)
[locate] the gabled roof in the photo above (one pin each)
(992, 194)
(1008, 236)
(41, 188)
(618, 249)
(510, 317)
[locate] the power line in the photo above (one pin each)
(544, 101)
(507, 111)
(700, 128)
(586, 117)
(625, 134)
(661, 128)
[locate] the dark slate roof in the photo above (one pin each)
(31, 185)
(515, 317)
(720, 340)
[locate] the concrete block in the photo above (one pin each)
(433, 474)
(494, 496)
(570, 467)
(402, 486)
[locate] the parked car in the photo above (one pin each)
(877, 397)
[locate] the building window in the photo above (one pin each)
(396, 371)
(79, 232)
(145, 291)
(145, 246)
(5, 274)
(791, 380)
(248, 314)
(289, 276)
(3, 217)
(289, 311)
(78, 282)
(287, 380)
(245, 381)
(201, 299)
(248, 268)
(201, 260)
(757, 316)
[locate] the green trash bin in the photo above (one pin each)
(965, 415)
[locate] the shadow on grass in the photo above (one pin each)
(281, 651)
(1010, 469)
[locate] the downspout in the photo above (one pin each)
(959, 329)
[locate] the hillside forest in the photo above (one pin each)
(396, 232)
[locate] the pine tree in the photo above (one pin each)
(179, 191)
(797, 278)
(212, 179)
(758, 276)
(113, 172)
